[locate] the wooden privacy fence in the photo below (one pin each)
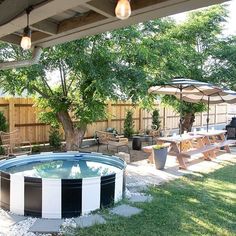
(22, 114)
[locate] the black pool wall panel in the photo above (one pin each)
(5, 191)
(33, 197)
(107, 194)
(71, 198)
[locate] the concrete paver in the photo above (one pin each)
(87, 221)
(140, 198)
(125, 210)
(46, 226)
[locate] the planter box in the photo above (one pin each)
(159, 156)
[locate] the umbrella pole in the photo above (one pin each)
(181, 111)
(208, 109)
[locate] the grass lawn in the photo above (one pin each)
(192, 205)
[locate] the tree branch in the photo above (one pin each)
(47, 85)
(62, 78)
(36, 89)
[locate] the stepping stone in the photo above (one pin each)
(7, 220)
(125, 210)
(140, 198)
(46, 226)
(88, 221)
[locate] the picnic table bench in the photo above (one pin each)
(191, 144)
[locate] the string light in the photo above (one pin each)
(26, 37)
(123, 9)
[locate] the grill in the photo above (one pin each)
(231, 129)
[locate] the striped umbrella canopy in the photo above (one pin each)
(184, 87)
(222, 96)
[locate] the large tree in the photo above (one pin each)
(196, 49)
(91, 70)
(121, 64)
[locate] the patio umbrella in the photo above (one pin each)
(180, 87)
(222, 96)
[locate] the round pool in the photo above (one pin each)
(59, 185)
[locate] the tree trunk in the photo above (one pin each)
(73, 135)
(188, 121)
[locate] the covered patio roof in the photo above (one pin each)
(58, 21)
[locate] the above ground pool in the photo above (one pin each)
(59, 185)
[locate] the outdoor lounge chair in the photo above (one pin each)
(108, 138)
(13, 144)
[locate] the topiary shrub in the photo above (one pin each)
(156, 122)
(4, 128)
(3, 122)
(129, 124)
(54, 137)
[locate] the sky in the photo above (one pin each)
(230, 26)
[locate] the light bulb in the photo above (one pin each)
(25, 42)
(26, 39)
(123, 9)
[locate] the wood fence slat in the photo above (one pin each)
(21, 113)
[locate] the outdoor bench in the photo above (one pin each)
(191, 152)
(111, 139)
(211, 148)
(225, 144)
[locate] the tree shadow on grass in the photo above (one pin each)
(193, 205)
(204, 204)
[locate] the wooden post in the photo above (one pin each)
(202, 119)
(227, 113)
(11, 114)
(109, 114)
(141, 120)
(215, 114)
(164, 118)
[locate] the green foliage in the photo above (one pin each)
(185, 107)
(35, 149)
(129, 124)
(156, 122)
(157, 147)
(123, 64)
(54, 137)
(3, 123)
(2, 150)
(3, 127)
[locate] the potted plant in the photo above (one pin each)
(160, 155)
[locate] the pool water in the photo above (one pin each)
(63, 169)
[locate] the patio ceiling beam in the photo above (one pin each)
(79, 21)
(37, 35)
(45, 26)
(40, 13)
(103, 7)
(11, 38)
(153, 9)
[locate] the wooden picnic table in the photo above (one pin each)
(201, 142)
(218, 138)
(180, 145)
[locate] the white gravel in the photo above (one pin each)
(21, 228)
